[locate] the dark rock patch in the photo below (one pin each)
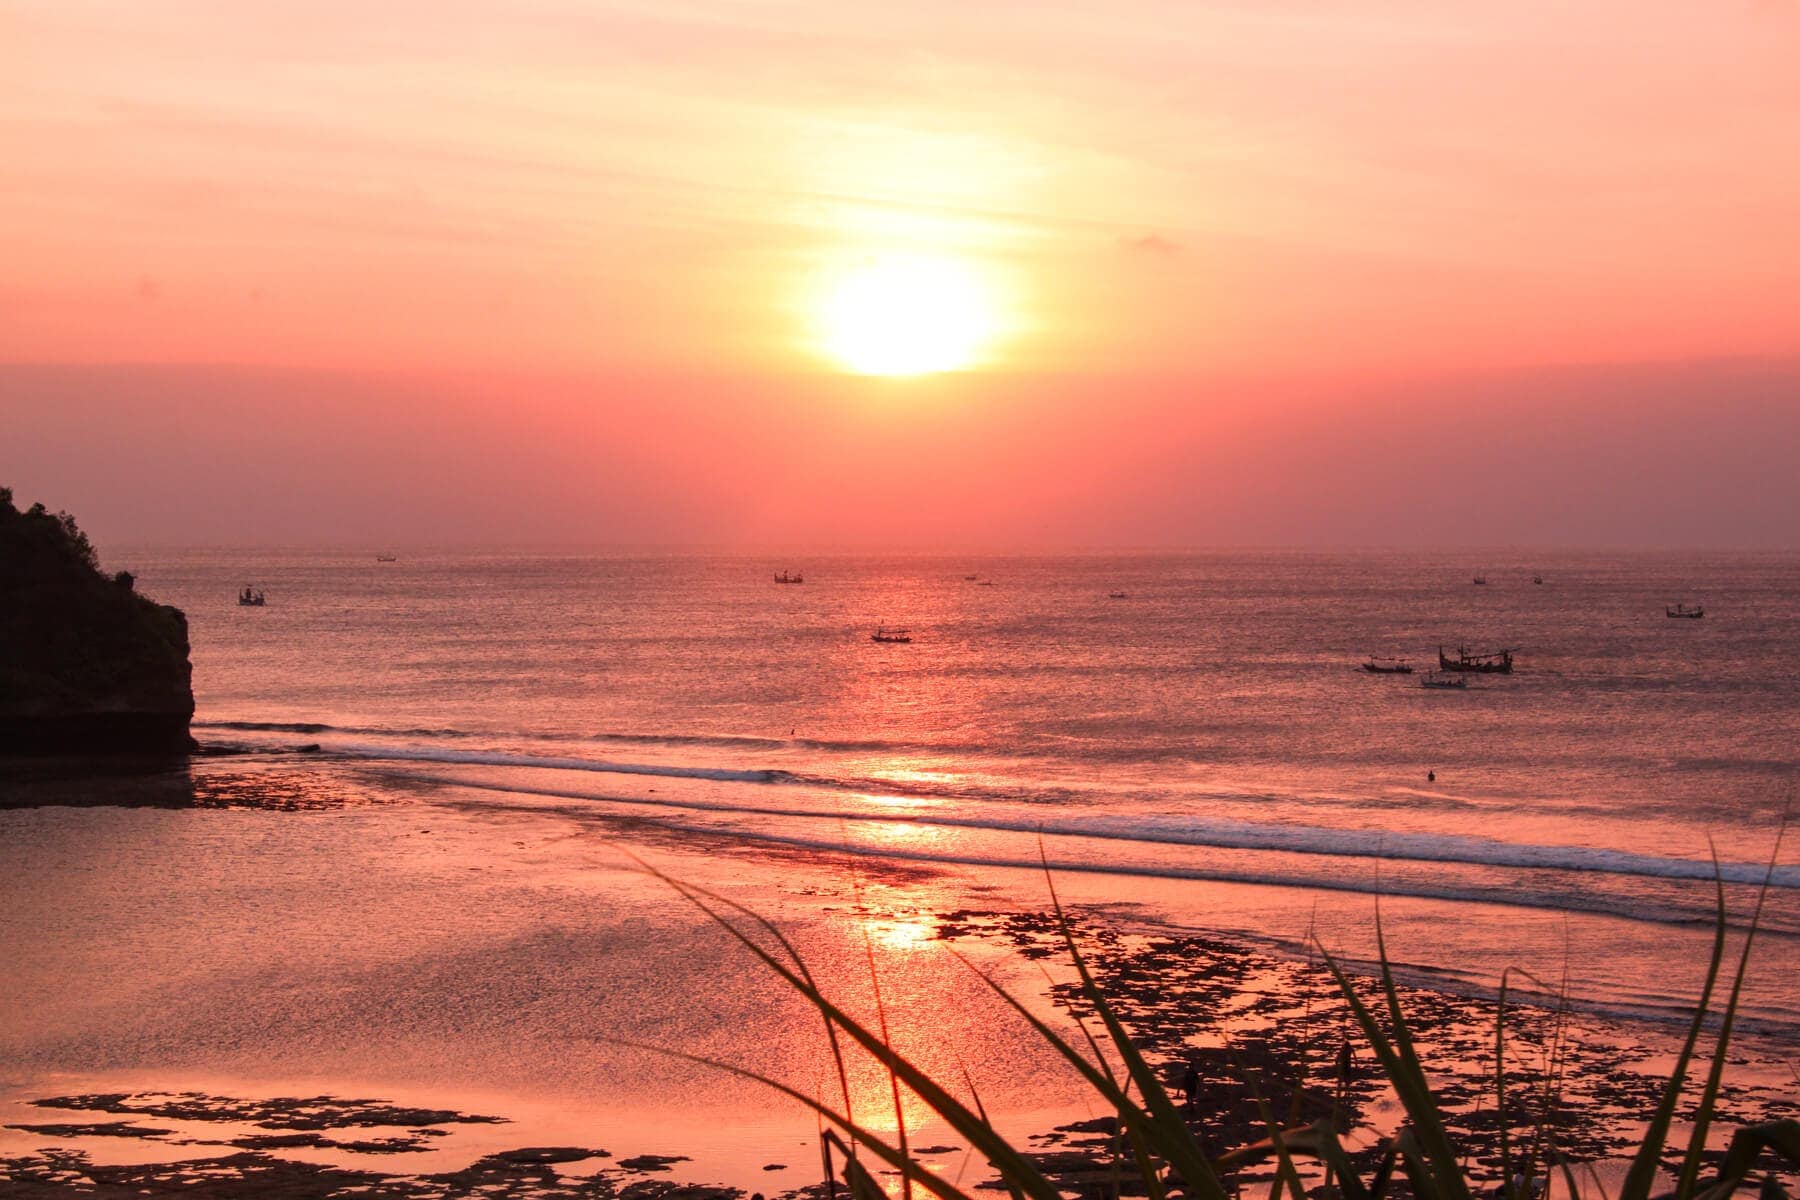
(652, 1162)
(548, 1154)
(281, 1112)
(662, 1189)
(96, 1129)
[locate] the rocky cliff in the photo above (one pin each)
(86, 664)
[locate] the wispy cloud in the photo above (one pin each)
(1150, 245)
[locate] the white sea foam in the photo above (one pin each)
(1208, 832)
(497, 759)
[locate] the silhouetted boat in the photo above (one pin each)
(1499, 662)
(884, 634)
(251, 598)
(1481, 581)
(386, 558)
(1537, 579)
(985, 583)
(784, 577)
(1387, 666)
(1439, 679)
(971, 578)
(1692, 613)
(1115, 595)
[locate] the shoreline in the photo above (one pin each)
(301, 778)
(289, 779)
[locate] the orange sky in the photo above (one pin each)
(1274, 206)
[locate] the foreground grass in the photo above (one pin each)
(1159, 1155)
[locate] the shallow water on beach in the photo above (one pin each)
(430, 954)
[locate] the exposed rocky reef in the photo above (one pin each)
(86, 664)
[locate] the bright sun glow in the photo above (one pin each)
(906, 316)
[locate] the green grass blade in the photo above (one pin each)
(1506, 1167)
(1781, 1137)
(906, 1189)
(878, 1145)
(1407, 1081)
(1642, 1175)
(1146, 1163)
(1285, 1174)
(1568, 1173)
(1100, 1078)
(1384, 1174)
(1167, 1131)
(781, 939)
(863, 1185)
(1428, 1122)
(1709, 1096)
(982, 1136)
(1412, 1162)
(981, 1111)
(1320, 1141)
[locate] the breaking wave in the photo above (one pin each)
(1221, 834)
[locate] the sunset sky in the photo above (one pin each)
(938, 272)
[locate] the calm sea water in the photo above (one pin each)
(1210, 724)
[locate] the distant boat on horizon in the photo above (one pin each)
(1444, 680)
(251, 598)
(1496, 662)
(1387, 666)
(386, 558)
(1115, 595)
(884, 634)
(1481, 581)
(1686, 612)
(785, 577)
(1537, 579)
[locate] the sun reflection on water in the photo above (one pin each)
(899, 833)
(902, 933)
(915, 803)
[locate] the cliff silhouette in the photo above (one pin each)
(86, 664)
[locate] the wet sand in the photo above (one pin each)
(278, 977)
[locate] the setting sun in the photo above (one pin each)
(906, 316)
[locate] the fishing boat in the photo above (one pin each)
(1691, 612)
(1537, 579)
(386, 558)
(1497, 662)
(785, 577)
(1442, 679)
(971, 578)
(884, 634)
(1115, 595)
(1481, 581)
(1387, 666)
(251, 598)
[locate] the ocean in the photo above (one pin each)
(1211, 724)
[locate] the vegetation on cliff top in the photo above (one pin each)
(76, 643)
